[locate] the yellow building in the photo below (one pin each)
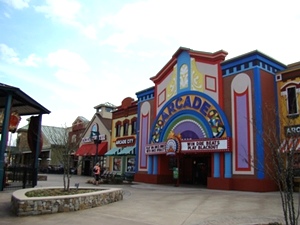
(288, 88)
(121, 156)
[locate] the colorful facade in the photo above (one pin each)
(204, 117)
(121, 156)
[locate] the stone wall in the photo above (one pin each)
(22, 205)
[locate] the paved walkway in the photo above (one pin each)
(147, 204)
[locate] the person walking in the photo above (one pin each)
(96, 171)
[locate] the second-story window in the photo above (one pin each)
(292, 101)
(133, 126)
(125, 127)
(118, 129)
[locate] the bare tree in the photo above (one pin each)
(281, 156)
(63, 148)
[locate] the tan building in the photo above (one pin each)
(95, 140)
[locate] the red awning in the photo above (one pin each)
(90, 149)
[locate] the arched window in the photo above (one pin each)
(133, 125)
(125, 127)
(118, 128)
(292, 101)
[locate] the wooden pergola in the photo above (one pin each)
(13, 100)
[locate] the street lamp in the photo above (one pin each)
(97, 141)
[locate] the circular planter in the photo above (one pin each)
(21, 205)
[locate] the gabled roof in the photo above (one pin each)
(21, 102)
(54, 135)
(214, 57)
(106, 122)
(82, 119)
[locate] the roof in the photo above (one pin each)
(250, 56)
(54, 135)
(21, 102)
(106, 122)
(106, 104)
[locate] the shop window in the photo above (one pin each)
(125, 127)
(130, 167)
(133, 125)
(292, 101)
(118, 129)
(117, 164)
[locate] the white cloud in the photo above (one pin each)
(204, 25)
(65, 10)
(17, 4)
(11, 56)
(89, 31)
(8, 54)
(32, 60)
(72, 68)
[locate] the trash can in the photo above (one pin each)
(175, 173)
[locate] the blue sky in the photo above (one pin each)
(71, 55)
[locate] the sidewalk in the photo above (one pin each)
(147, 204)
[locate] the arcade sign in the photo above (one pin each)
(292, 131)
(127, 141)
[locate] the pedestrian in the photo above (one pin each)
(96, 171)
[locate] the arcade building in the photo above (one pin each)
(204, 118)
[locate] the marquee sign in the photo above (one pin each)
(193, 146)
(156, 149)
(206, 145)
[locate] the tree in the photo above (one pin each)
(281, 158)
(62, 149)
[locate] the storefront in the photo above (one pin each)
(198, 120)
(122, 155)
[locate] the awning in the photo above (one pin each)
(90, 149)
(113, 151)
(128, 151)
(290, 144)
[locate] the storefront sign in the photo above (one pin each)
(102, 137)
(128, 141)
(155, 149)
(206, 145)
(292, 130)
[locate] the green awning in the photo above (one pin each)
(128, 151)
(113, 151)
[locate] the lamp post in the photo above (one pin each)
(97, 141)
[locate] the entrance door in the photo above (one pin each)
(196, 169)
(87, 168)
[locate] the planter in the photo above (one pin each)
(21, 205)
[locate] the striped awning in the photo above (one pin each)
(290, 144)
